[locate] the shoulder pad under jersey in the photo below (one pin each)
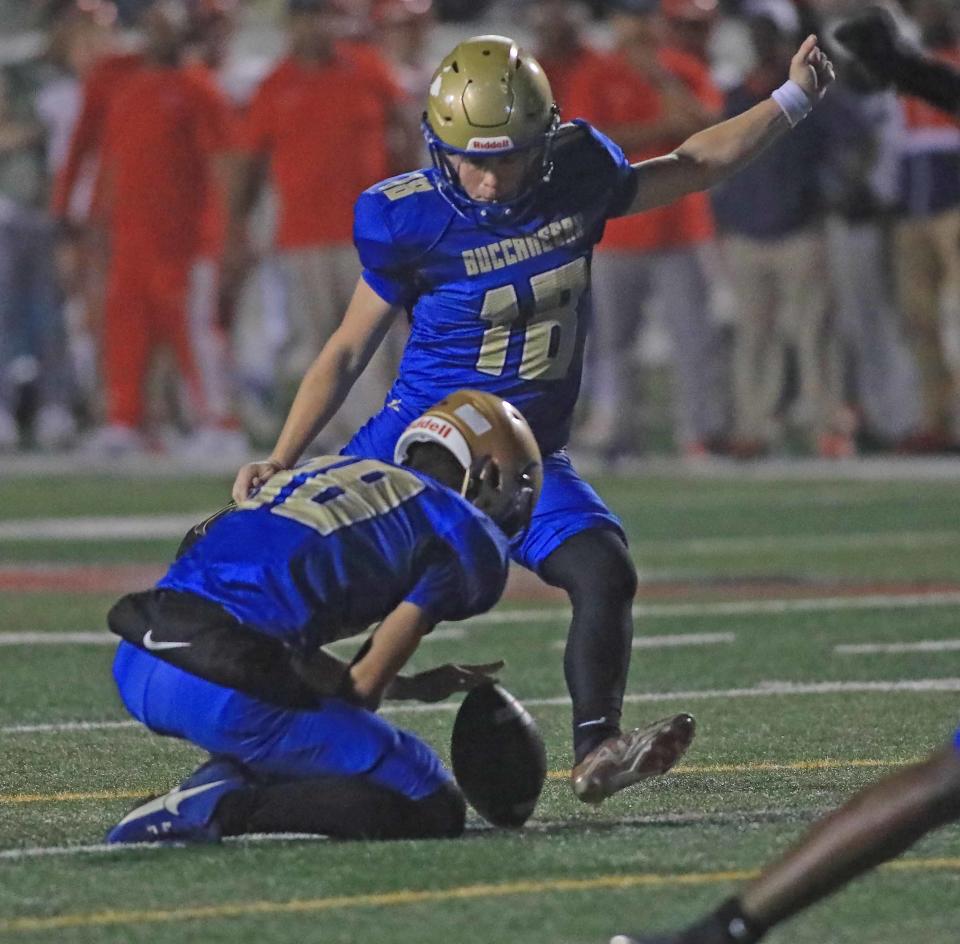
(397, 220)
(585, 157)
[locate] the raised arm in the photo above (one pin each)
(325, 385)
(718, 152)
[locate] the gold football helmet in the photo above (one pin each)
(503, 469)
(489, 98)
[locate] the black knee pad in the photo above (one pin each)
(444, 812)
(594, 564)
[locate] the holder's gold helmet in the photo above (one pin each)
(489, 98)
(503, 469)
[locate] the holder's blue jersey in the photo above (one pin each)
(323, 551)
(504, 308)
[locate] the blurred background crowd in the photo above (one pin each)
(177, 180)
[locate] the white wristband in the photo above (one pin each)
(794, 102)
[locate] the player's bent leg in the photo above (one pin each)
(343, 771)
(344, 808)
(337, 770)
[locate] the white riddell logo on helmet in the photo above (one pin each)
(434, 426)
(490, 144)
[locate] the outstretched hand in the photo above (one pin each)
(446, 680)
(811, 69)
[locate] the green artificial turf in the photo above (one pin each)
(761, 769)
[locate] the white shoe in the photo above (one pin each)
(55, 427)
(113, 442)
(9, 433)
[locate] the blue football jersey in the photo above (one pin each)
(325, 550)
(498, 308)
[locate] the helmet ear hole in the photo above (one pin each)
(491, 474)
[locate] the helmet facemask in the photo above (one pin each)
(509, 508)
(495, 212)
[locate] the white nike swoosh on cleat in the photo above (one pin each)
(156, 646)
(169, 801)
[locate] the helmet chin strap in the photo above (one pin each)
(465, 484)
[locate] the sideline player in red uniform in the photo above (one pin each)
(321, 126)
(165, 142)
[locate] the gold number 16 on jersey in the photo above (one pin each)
(550, 335)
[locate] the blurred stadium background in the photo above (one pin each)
(809, 308)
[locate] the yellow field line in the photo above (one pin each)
(825, 764)
(9, 799)
(412, 897)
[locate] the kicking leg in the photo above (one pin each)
(576, 543)
(344, 808)
(595, 569)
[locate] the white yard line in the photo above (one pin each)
(683, 639)
(673, 641)
(168, 526)
(761, 690)
(36, 852)
(108, 639)
(477, 826)
(561, 614)
(106, 528)
(864, 469)
(68, 727)
(911, 540)
(877, 601)
(928, 645)
(58, 639)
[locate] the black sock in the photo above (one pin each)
(595, 569)
(343, 808)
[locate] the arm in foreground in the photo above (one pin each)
(876, 825)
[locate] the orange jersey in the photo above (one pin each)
(561, 70)
(325, 131)
(106, 79)
(164, 128)
(608, 92)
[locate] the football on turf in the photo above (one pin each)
(498, 755)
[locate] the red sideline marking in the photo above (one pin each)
(71, 578)
(523, 586)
